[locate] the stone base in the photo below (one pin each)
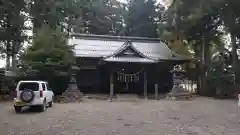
(179, 93)
(72, 94)
(180, 96)
(176, 90)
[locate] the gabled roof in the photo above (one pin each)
(125, 47)
(107, 47)
(128, 53)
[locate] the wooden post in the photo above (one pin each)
(145, 85)
(238, 100)
(111, 87)
(156, 91)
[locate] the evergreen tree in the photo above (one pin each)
(142, 18)
(103, 17)
(199, 22)
(50, 58)
(55, 14)
(12, 28)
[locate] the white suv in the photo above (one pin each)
(33, 94)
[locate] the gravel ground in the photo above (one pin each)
(201, 116)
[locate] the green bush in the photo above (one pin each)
(50, 58)
(7, 85)
(220, 83)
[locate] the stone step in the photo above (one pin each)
(97, 96)
(127, 97)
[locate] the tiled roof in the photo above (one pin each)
(104, 46)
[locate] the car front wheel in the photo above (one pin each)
(50, 104)
(43, 107)
(18, 109)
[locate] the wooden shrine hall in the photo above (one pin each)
(115, 64)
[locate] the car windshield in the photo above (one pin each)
(29, 85)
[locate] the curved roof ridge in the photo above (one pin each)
(124, 47)
(120, 49)
(140, 53)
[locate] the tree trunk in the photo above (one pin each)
(207, 62)
(198, 79)
(8, 62)
(14, 62)
(234, 55)
(8, 55)
(197, 55)
(203, 77)
(202, 71)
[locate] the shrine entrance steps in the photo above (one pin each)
(127, 97)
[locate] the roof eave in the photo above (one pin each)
(129, 61)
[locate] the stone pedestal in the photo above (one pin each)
(176, 85)
(73, 84)
(156, 91)
(111, 87)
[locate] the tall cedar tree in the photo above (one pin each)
(54, 13)
(103, 17)
(141, 19)
(12, 29)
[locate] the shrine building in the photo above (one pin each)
(116, 64)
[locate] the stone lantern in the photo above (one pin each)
(73, 83)
(177, 79)
(72, 94)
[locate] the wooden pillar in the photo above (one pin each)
(238, 100)
(111, 86)
(145, 85)
(156, 91)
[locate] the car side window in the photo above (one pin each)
(43, 87)
(47, 87)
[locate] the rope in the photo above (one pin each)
(123, 77)
(124, 74)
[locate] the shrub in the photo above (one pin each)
(50, 58)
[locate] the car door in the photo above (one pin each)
(49, 92)
(45, 91)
